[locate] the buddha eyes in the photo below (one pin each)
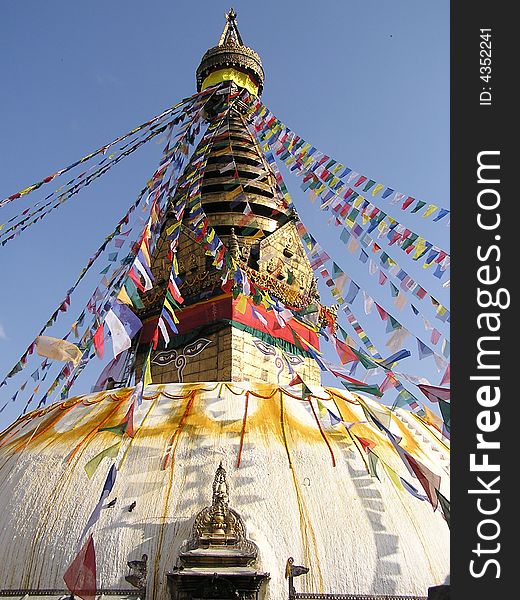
(196, 347)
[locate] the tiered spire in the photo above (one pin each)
(230, 35)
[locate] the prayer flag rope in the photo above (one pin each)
(271, 131)
(104, 148)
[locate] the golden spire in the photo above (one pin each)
(231, 60)
(230, 36)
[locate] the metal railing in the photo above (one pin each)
(311, 596)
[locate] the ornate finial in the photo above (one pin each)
(231, 36)
(234, 249)
(220, 487)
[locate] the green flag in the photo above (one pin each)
(446, 413)
(372, 464)
(93, 464)
(445, 506)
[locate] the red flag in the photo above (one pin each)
(389, 381)
(367, 444)
(429, 481)
(361, 180)
(382, 312)
(129, 420)
(155, 339)
(174, 291)
(296, 380)
(80, 577)
(136, 279)
(407, 202)
(226, 287)
(99, 341)
(344, 352)
(434, 393)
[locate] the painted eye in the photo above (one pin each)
(163, 358)
(293, 359)
(196, 347)
(264, 348)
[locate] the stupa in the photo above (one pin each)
(237, 482)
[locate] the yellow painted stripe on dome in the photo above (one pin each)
(241, 79)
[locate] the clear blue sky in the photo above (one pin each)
(366, 81)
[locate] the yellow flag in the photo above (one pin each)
(124, 297)
(233, 193)
(241, 304)
(27, 190)
(57, 349)
(172, 228)
(171, 310)
(358, 202)
(420, 245)
(257, 235)
(430, 210)
(432, 419)
(377, 189)
(144, 250)
(93, 464)
(394, 477)
(322, 409)
(147, 371)
(441, 310)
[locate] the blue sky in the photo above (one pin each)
(367, 82)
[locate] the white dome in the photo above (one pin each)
(355, 533)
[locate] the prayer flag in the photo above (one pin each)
(107, 488)
(99, 341)
(446, 377)
(434, 393)
(372, 464)
(164, 330)
(352, 292)
(147, 379)
(80, 577)
(423, 349)
(429, 481)
(445, 506)
(366, 444)
(57, 349)
(410, 488)
(123, 325)
(345, 354)
(296, 380)
(114, 367)
(93, 463)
